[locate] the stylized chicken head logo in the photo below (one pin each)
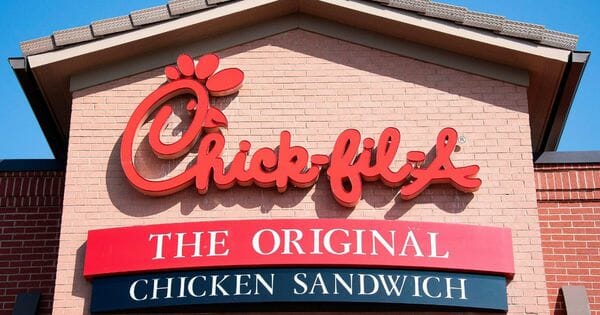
(222, 83)
(199, 81)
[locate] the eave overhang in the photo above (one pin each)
(159, 44)
(57, 140)
(562, 105)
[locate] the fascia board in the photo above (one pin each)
(143, 33)
(453, 29)
(363, 7)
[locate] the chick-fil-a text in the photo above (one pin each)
(349, 164)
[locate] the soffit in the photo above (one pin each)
(545, 65)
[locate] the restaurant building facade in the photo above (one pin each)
(294, 156)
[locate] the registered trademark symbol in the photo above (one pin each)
(462, 139)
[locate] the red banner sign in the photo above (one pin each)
(347, 166)
(322, 242)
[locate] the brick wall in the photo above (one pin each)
(30, 209)
(569, 208)
(315, 87)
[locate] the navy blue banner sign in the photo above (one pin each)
(291, 285)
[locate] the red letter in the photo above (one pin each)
(291, 164)
(343, 173)
(441, 170)
(209, 158)
(182, 146)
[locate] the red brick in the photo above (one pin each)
(577, 240)
(589, 264)
(567, 264)
(26, 261)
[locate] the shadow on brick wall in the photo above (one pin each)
(81, 287)
(386, 64)
(133, 203)
(464, 85)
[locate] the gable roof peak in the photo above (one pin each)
(176, 8)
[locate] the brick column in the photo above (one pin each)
(30, 210)
(569, 208)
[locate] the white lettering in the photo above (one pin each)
(327, 242)
(239, 284)
(416, 278)
(359, 242)
(268, 286)
(393, 284)
(182, 287)
(390, 248)
(214, 242)
(319, 282)
(191, 287)
(449, 288)
(217, 285)
(287, 241)
(300, 283)
(411, 241)
(181, 244)
(256, 242)
(132, 290)
(433, 242)
(159, 244)
(155, 288)
(316, 241)
(361, 278)
(338, 279)
(426, 287)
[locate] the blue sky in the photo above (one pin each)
(28, 19)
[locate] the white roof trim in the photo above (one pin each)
(145, 32)
(363, 7)
(455, 30)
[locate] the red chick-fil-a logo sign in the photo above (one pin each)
(347, 166)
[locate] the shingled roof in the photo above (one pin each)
(177, 8)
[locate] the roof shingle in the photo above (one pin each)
(484, 20)
(177, 7)
(174, 8)
(150, 15)
(73, 35)
(113, 25)
(37, 45)
(446, 12)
